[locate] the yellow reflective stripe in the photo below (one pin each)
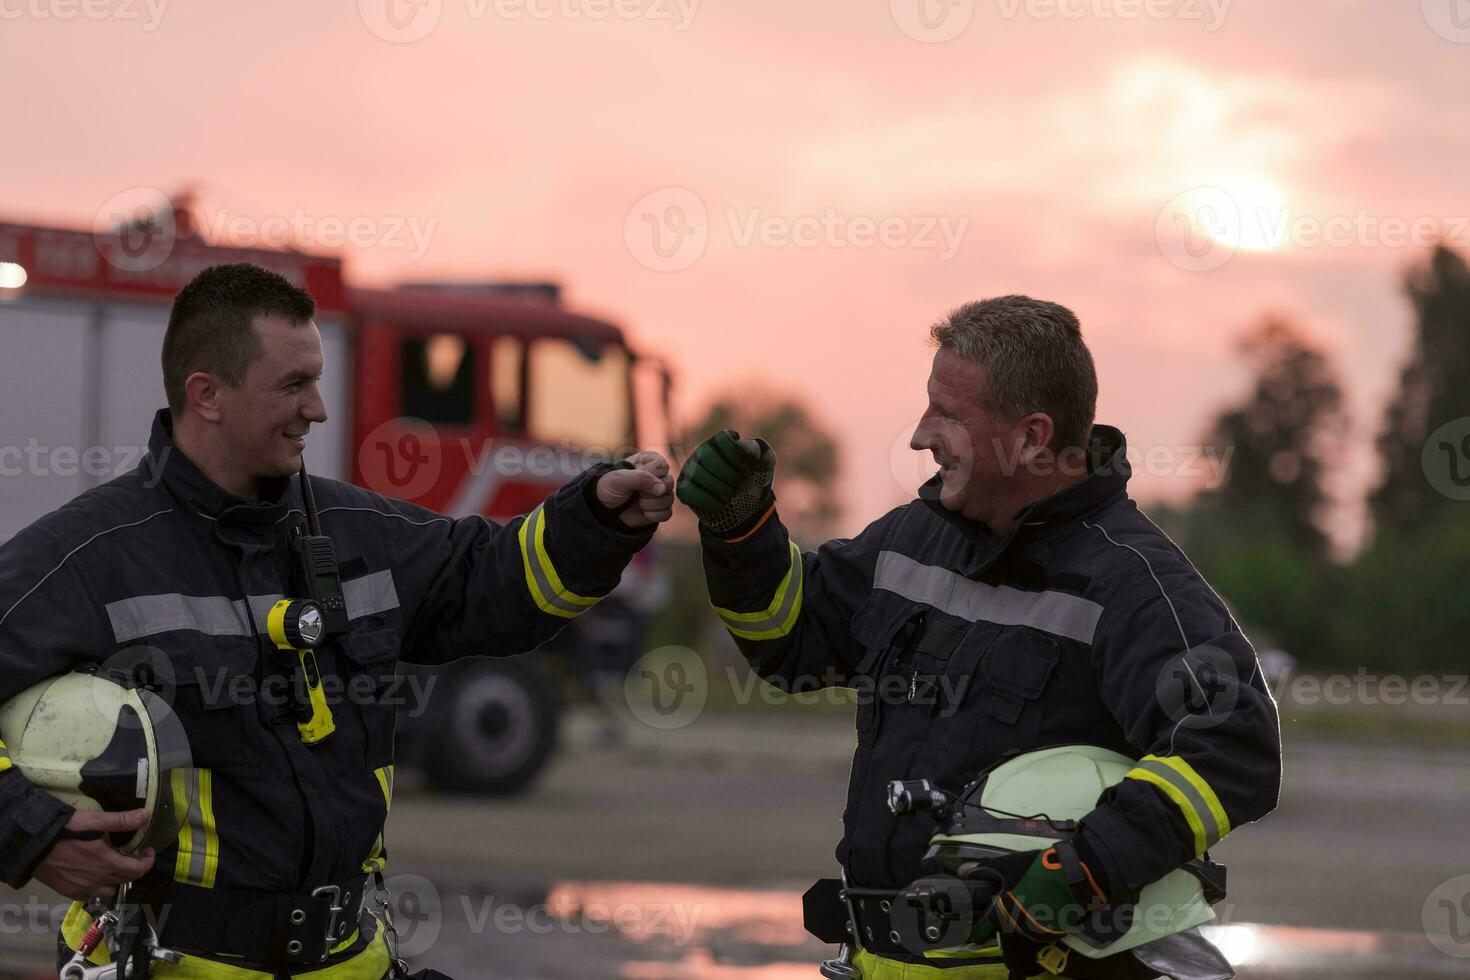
(198, 968)
(778, 618)
(197, 861)
(370, 964)
(969, 951)
(74, 928)
(1190, 793)
(346, 943)
(376, 861)
(385, 783)
(5, 762)
(546, 587)
(873, 967)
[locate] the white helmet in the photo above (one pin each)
(1033, 801)
(98, 745)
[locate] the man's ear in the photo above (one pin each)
(1037, 431)
(202, 392)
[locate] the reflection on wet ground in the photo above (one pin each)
(691, 932)
(659, 931)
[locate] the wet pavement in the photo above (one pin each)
(683, 854)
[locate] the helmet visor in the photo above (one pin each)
(173, 780)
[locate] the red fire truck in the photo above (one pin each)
(465, 398)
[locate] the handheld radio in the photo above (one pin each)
(314, 566)
(301, 625)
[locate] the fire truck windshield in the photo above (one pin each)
(581, 394)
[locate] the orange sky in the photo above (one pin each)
(828, 146)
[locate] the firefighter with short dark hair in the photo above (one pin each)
(200, 563)
(1022, 601)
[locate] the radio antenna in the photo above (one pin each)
(308, 498)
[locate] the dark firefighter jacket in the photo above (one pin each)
(1080, 622)
(162, 557)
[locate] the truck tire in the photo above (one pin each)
(500, 729)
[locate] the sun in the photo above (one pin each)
(1246, 212)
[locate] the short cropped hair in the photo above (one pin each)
(1034, 358)
(212, 324)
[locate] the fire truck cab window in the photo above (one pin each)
(507, 359)
(579, 394)
(438, 379)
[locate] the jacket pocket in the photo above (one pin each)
(372, 658)
(876, 627)
(215, 695)
(1014, 672)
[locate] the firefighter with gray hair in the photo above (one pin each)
(1056, 714)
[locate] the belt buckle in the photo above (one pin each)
(329, 938)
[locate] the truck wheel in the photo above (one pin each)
(500, 729)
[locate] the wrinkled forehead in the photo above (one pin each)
(955, 381)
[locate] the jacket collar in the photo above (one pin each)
(1107, 481)
(199, 494)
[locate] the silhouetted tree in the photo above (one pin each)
(1434, 388)
(1281, 441)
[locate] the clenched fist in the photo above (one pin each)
(647, 483)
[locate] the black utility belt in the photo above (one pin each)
(864, 917)
(271, 928)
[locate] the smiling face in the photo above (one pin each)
(257, 428)
(988, 466)
(965, 440)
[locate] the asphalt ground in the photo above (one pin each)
(683, 853)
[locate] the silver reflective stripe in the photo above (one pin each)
(539, 561)
(370, 594)
(146, 615)
(192, 834)
(1054, 612)
(260, 609)
(216, 615)
(1186, 788)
